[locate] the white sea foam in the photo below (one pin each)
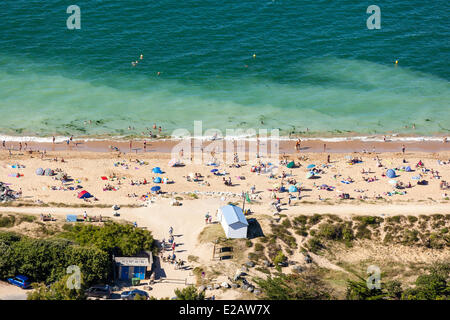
(377, 138)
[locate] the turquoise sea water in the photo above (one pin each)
(317, 66)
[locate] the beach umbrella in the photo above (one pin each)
(157, 180)
(40, 172)
(173, 162)
(84, 194)
(408, 169)
(214, 170)
(155, 188)
(48, 172)
(290, 164)
(310, 166)
(157, 170)
(390, 174)
(292, 188)
(309, 175)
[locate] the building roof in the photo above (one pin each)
(233, 214)
(132, 261)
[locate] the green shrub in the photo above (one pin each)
(280, 258)
(412, 219)
(330, 231)
(286, 223)
(300, 220)
(7, 221)
(395, 219)
(315, 219)
(369, 220)
(120, 239)
(301, 232)
(259, 247)
(410, 237)
(304, 286)
(26, 218)
(314, 245)
(363, 232)
(45, 260)
(189, 293)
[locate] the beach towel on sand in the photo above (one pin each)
(104, 178)
(15, 175)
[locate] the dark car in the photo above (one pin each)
(130, 295)
(20, 281)
(99, 292)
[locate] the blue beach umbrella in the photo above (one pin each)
(214, 170)
(292, 188)
(157, 180)
(310, 166)
(157, 170)
(155, 188)
(309, 175)
(390, 174)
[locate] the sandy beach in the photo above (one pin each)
(126, 179)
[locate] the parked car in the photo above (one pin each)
(130, 295)
(20, 281)
(99, 292)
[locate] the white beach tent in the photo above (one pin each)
(233, 221)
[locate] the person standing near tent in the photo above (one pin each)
(173, 246)
(170, 231)
(403, 148)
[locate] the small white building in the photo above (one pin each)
(233, 221)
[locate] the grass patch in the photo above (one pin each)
(211, 233)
